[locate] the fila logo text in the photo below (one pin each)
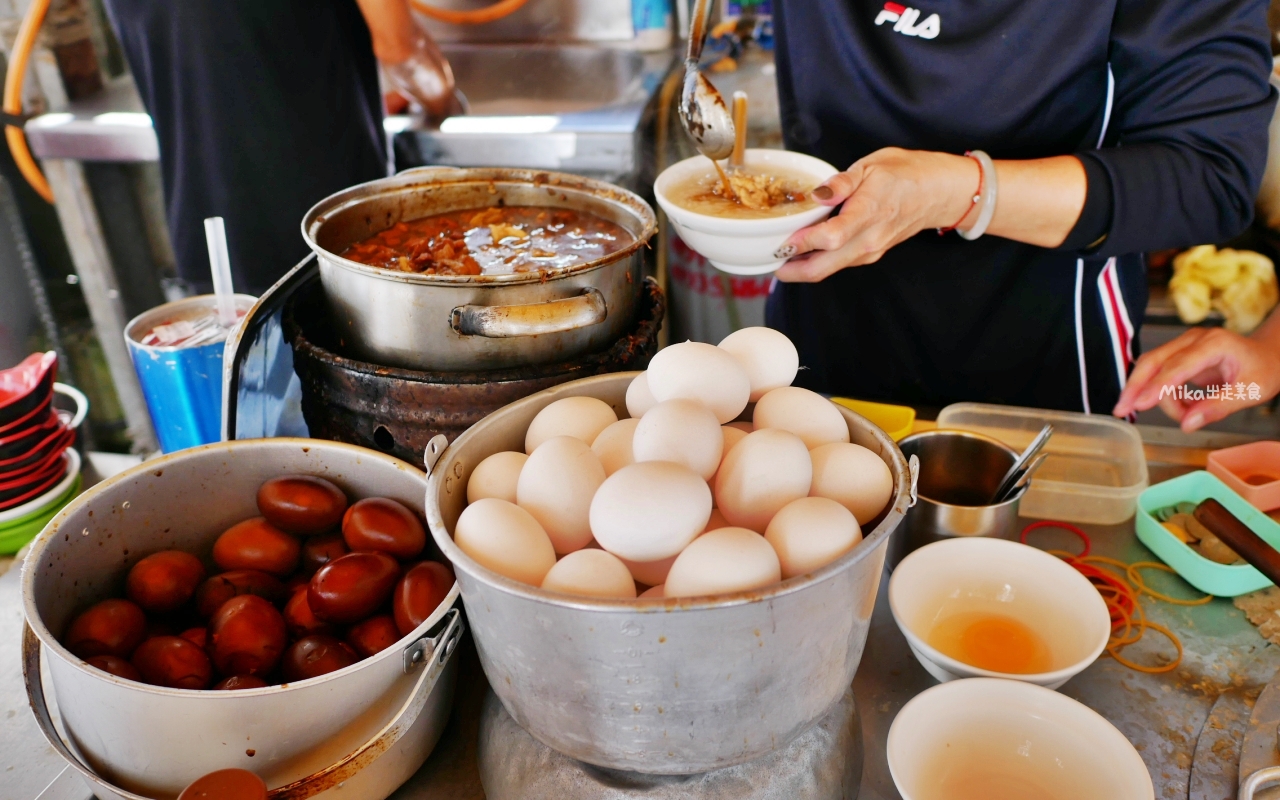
(904, 21)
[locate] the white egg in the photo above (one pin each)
(702, 372)
(854, 477)
(732, 435)
(580, 417)
(809, 415)
(556, 487)
(496, 476)
(761, 474)
(810, 533)
(717, 520)
(682, 431)
(650, 573)
(650, 511)
(505, 538)
(767, 356)
(594, 573)
(613, 445)
(639, 398)
(653, 591)
(722, 561)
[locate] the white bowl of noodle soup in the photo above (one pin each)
(744, 244)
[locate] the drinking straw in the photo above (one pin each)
(215, 234)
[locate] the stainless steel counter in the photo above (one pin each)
(579, 108)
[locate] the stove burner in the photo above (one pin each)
(823, 763)
(399, 410)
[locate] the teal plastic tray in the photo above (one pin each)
(1222, 580)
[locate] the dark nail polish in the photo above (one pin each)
(786, 251)
(823, 193)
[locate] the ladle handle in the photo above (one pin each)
(1240, 538)
(532, 319)
(697, 32)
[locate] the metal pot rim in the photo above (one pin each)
(423, 177)
(900, 501)
(51, 530)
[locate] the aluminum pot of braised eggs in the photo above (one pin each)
(273, 605)
(672, 571)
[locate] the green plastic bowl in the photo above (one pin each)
(14, 534)
(1222, 580)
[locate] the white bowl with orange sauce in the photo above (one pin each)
(991, 608)
(744, 244)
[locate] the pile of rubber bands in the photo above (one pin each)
(1121, 592)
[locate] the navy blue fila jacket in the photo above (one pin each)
(1166, 102)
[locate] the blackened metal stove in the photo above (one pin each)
(398, 411)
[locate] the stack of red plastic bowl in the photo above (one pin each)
(33, 436)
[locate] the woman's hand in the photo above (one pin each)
(1207, 357)
(410, 58)
(889, 196)
(893, 194)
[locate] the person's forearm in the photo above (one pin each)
(392, 28)
(1269, 331)
(1039, 200)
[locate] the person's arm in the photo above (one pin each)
(392, 28)
(1184, 154)
(893, 194)
(1207, 357)
(410, 58)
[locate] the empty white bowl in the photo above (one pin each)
(1007, 740)
(741, 246)
(1005, 578)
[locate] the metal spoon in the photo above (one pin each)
(703, 111)
(1022, 480)
(1021, 462)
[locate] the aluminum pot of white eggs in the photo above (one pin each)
(763, 594)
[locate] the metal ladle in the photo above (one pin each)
(705, 115)
(1020, 464)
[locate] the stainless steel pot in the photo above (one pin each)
(474, 322)
(153, 741)
(958, 470)
(663, 686)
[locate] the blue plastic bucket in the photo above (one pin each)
(182, 385)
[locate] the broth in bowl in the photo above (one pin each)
(754, 192)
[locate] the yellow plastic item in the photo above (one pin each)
(897, 421)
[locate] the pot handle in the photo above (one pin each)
(40, 707)
(913, 467)
(435, 449)
(531, 319)
(434, 649)
(1261, 779)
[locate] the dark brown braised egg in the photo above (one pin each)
(293, 601)
(492, 241)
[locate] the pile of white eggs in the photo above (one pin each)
(678, 500)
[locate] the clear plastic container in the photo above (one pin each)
(1095, 468)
